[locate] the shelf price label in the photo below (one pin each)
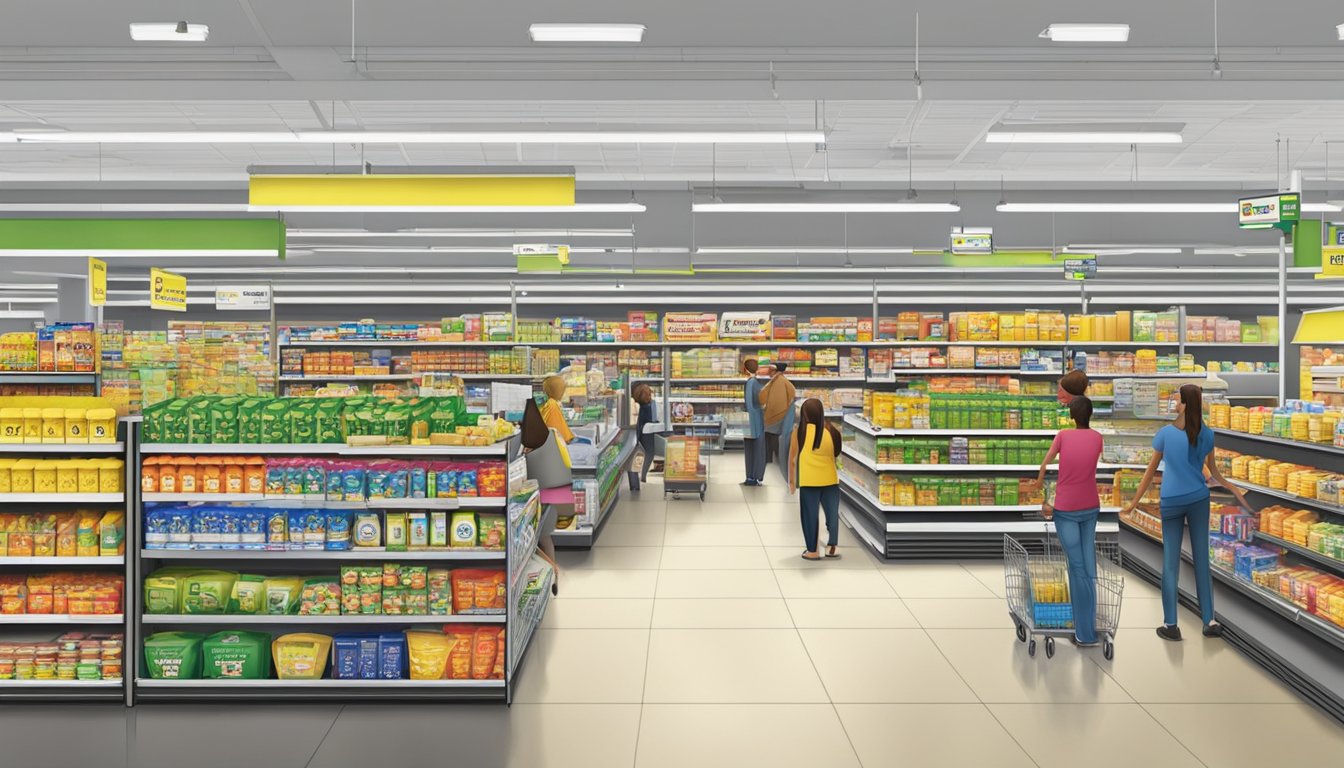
(1080, 269)
(167, 291)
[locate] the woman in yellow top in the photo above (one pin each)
(551, 412)
(813, 449)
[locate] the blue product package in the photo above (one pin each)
(315, 529)
(294, 481)
(338, 530)
(335, 486)
(445, 483)
(377, 483)
(252, 528)
(398, 484)
(297, 520)
(355, 656)
(205, 528)
(179, 527)
(466, 482)
(352, 483)
(156, 528)
(314, 480)
(392, 656)
(230, 527)
(419, 484)
(277, 529)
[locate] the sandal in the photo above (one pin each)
(814, 557)
(833, 554)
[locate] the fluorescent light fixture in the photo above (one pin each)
(1085, 133)
(1339, 31)
(1321, 208)
(801, 250)
(300, 234)
(827, 207)
(586, 33)
(23, 314)
(1122, 250)
(1062, 207)
(414, 137)
(1086, 33)
(125, 207)
(575, 208)
(169, 31)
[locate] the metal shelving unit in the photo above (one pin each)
(50, 626)
(608, 479)
(146, 560)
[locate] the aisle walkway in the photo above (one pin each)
(694, 635)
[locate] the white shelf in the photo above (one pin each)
(324, 449)
(254, 619)
(144, 682)
(63, 448)
(112, 560)
(903, 373)
(60, 684)
(1265, 344)
(1313, 503)
(863, 425)
(990, 468)
(61, 498)
(1322, 447)
(447, 554)
(216, 498)
(223, 498)
(61, 618)
(353, 377)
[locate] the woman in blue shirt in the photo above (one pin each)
(1184, 449)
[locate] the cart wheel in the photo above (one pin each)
(1021, 634)
(1108, 650)
(1049, 647)
(1031, 647)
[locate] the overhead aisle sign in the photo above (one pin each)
(167, 291)
(243, 297)
(1280, 211)
(97, 282)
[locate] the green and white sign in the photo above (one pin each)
(1080, 269)
(1269, 211)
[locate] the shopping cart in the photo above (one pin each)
(684, 467)
(1038, 593)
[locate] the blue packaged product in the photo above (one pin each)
(398, 484)
(354, 657)
(277, 529)
(314, 480)
(230, 522)
(445, 483)
(419, 483)
(338, 532)
(179, 527)
(206, 528)
(294, 481)
(252, 528)
(297, 520)
(377, 483)
(335, 486)
(392, 656)
(275, 480)
(352, 483)
(466, 482)
(315, 529)
(156, 528)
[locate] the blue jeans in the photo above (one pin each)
(827, 497)
(1078, 536)
(1174, 519)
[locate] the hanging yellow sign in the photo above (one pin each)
(167, 291)
(97, 282)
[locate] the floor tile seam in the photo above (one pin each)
(325, 736)
(1169, 732)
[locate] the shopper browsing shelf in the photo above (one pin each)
(813, 452)
(753, 439)
(551, 411)
(643, 396)
(1075, 513)
(1073, 384)
(777, 398)
(1184, 449)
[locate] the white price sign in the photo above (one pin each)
(254, 297)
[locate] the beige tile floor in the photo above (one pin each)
(712, 643)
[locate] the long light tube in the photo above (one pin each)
(586, 33)
(825, 207)
(414, 137)
(1086, 33)
(1065, 207)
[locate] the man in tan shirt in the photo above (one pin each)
(777, 398)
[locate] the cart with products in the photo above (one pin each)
(684, 467)
(1038, 593)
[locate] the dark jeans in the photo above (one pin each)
(1174, 519)
(646, 445)
(1078, 536)
(754, 452)
(827, 498)
(771, 446)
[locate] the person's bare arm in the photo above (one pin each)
(1146, 481)
(1045, 463)
(1218, 478)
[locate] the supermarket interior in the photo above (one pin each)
(380, 364)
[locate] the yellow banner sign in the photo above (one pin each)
(1332, 262)
(97, 282)
(167, 291)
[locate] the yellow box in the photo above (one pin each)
(11, 425)
(53, 425)
(110, 475)
(21, 476)
(102, 425)
(5, 466)
(76, 425)
(67, 476)
(88, 476)
(44, 477)
(32, 425)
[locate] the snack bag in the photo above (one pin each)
(300, 655)
(248, 595)
(428, 652)
(320, 597)
(282, 595)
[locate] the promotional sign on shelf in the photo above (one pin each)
(167, 290)
(541, 257)
(689, 326)
(972, 240)
(97, 282)
(745, 326)
(1080, 269)
(1332, 262)
(1269, 211)
(231, 297)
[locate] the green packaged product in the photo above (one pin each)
(176, 427)
(275, 422)
(302, 427)
(207, 592)
(327, 422)
(249, 419)
(248, 595)
(198, 419)
(282, 595)
(223, 414)
(236, 654)
(173, 655)
(163, 590)
(151, 422)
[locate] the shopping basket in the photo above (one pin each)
(1038, 593)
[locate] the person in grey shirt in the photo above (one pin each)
(753, 438)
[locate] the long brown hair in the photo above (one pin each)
(1193, 399)
(813, 412)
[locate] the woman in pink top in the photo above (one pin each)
(1075, 513)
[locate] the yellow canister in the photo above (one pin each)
(87, 471)
(11, 425)
(32, 425)
(102, 425)
(76, 425)
(53, 425)
(67, 476)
